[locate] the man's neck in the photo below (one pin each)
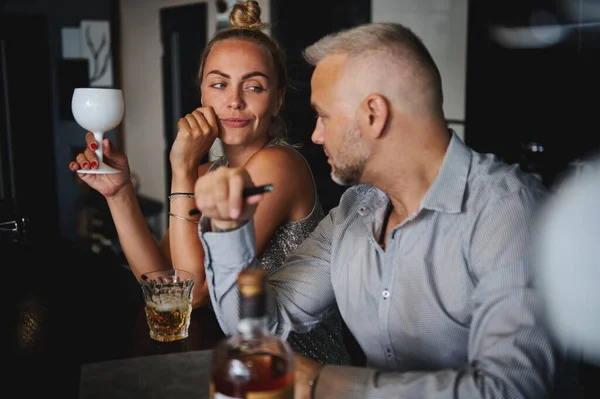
(407, 195)
(406, 179)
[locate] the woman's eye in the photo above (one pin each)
(218, 85)
(256, 89)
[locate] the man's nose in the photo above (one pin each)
(317, 136)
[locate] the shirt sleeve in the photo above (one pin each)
(510, 351)
(299, 295)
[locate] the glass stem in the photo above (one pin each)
(99, 136)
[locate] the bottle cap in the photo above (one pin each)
(252, 282)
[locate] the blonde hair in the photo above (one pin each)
(245, 24)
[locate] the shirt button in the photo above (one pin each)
(385, 294)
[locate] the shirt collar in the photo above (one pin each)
(448, 189)
(372, 198)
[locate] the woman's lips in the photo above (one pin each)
(234, 122)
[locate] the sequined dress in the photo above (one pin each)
(323, 343)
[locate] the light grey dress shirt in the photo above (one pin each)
(448, 310)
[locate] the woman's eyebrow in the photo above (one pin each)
(244, 77)
(253, 74)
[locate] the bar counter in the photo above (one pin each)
(69, 310)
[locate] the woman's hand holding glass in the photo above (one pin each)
(106, 184)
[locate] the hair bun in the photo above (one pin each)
(246, 15)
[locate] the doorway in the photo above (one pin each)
(28, 212)
(183, 33)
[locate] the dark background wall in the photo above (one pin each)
(28, 200)
(66, 133)
(545, 94)
(314, 20)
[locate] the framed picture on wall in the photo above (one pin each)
(96, 47)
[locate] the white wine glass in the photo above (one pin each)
(98, 110)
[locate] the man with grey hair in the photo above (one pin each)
(427, 255)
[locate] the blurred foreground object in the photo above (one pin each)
(568, 259)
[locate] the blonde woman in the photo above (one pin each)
(242, 80)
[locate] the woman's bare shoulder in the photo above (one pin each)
(281, 156)
(287, 170)
(279, 163)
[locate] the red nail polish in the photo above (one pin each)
(84, 165)
(93, 146)
(94, 164)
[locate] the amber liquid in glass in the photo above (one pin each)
(168, 322)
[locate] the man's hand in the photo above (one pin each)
(305, 373)
(218, 196)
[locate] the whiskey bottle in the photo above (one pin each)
(252, 363)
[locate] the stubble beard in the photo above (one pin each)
(349, 165)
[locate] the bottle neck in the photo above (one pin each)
(252, 326)
(253, 318)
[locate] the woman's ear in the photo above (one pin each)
(374, 114)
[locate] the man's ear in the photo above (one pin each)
(375, 113)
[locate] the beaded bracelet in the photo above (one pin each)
(184, 219)
(172, 196)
